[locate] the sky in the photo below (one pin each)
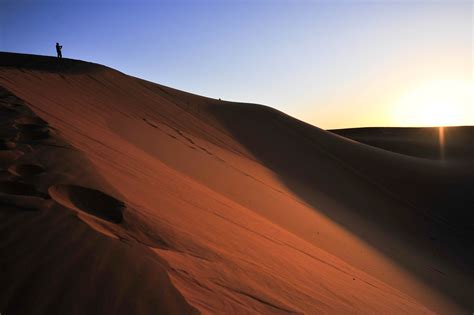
(334, 64)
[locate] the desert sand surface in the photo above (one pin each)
(122, 196)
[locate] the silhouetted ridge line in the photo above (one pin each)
(47, 63)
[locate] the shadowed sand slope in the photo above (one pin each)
(144, 199)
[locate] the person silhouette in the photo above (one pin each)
(58, 50)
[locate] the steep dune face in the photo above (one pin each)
(179, 203)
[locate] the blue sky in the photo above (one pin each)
(331, 63)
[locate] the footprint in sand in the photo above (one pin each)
(6, 112)
(22, 195)
(8, 152)
(88, 201)
(7, 145)
(104, 214)
(26, 170)
(30, 120)
(8, 156)
(17, 188)
(32, 132)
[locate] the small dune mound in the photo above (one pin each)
(89, 201)
(30, 120)
(26, 169)
(7, 145)
(17, 188)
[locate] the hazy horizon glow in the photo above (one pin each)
(334, 64)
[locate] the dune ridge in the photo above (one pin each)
(179, 203)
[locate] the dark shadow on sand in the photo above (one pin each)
(431, 202)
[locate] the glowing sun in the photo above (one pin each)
(436, 103)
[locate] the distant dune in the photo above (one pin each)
(418, 142)
(121, 196)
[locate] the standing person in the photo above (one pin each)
(58, 50)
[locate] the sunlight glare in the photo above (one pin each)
(436, 103)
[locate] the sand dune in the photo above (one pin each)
(123, 196)
(456, 142)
